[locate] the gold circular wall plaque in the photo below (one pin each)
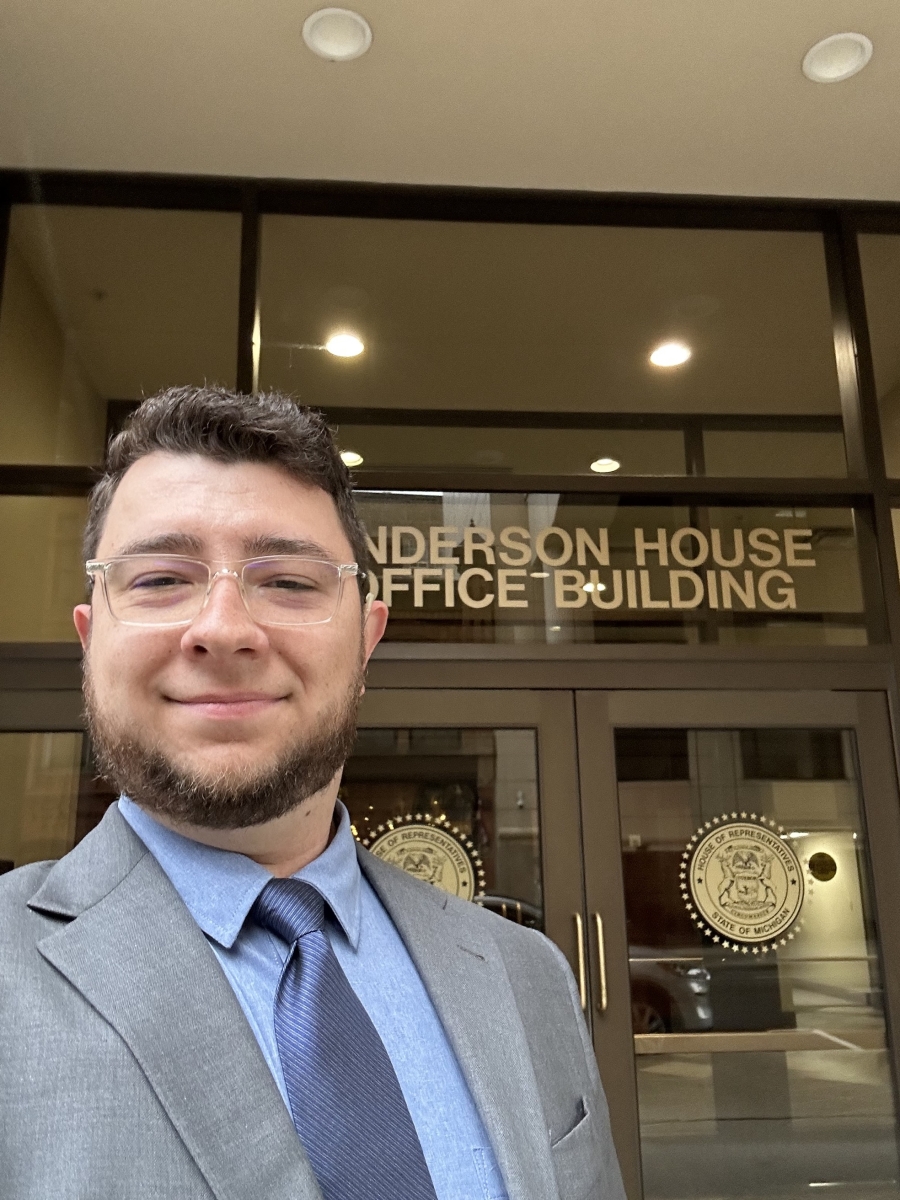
(742, 883)
(431, 849)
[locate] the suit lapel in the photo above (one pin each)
(465, 977)
(136, 955)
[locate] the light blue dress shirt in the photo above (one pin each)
(219, 888)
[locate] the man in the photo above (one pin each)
(216, 994)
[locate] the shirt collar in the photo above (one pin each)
(220, 887)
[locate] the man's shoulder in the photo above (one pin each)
(522, 949)
(18, 886)
(512, 939)
(538, 971)
(36, 896)
(532, 960)
(21, 927)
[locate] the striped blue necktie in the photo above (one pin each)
(344, 1095)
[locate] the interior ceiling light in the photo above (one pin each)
(670, 354)
(350, 458)
(837, 57)
(605, 466)
(594, 587)
(337, 34)
(344, 345)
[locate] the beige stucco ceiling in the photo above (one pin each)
(692, 96)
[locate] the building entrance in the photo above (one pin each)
(718, 866)
(709, 863)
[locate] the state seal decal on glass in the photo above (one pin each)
(742, 883)
(433, 850)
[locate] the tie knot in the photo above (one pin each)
(289, 908)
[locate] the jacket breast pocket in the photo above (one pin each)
(577, 1160)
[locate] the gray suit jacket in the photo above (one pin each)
(127, 1068)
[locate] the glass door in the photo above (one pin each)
(477, 792)
(739, 965)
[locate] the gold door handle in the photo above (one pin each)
(601, 963)
(582, 973)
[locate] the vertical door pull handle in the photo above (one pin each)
(601, 963)
(582, 972)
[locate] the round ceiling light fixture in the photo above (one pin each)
(337, 34)
(836, 58)
(670, 354)
(351, 458)
(344, 345)
(605, 466)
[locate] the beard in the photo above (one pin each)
(234, 799)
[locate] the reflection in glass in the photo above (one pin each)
(758, 1074)
(52, 794)
(512, 450)
(768, 453)
(102, 305)
(566, 446)
(555, 568)
(483, 781)
(40, 547)
(538, 319)
(880, 258)
(895, 521)
(39, 781)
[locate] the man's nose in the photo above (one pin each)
(223, 624)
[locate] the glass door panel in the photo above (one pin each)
(755, 1002)
(478, 786)
(498, 771)
(753, 1027)
(40, 775)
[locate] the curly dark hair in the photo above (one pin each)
(230, 428)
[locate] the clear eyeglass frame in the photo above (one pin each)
(95, 567)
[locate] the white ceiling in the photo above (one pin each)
(692, 96)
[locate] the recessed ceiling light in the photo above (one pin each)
(344, 345)
(837, 57)
(350, 458)
(594, 587)
(604, 466)
(337, 34)
(670, 354)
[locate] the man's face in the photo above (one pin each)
(223, 700)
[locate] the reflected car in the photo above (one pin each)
(669, 994)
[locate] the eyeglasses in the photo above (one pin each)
(161, 590)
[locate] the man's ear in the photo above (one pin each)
(82, 616)
(375, 616)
